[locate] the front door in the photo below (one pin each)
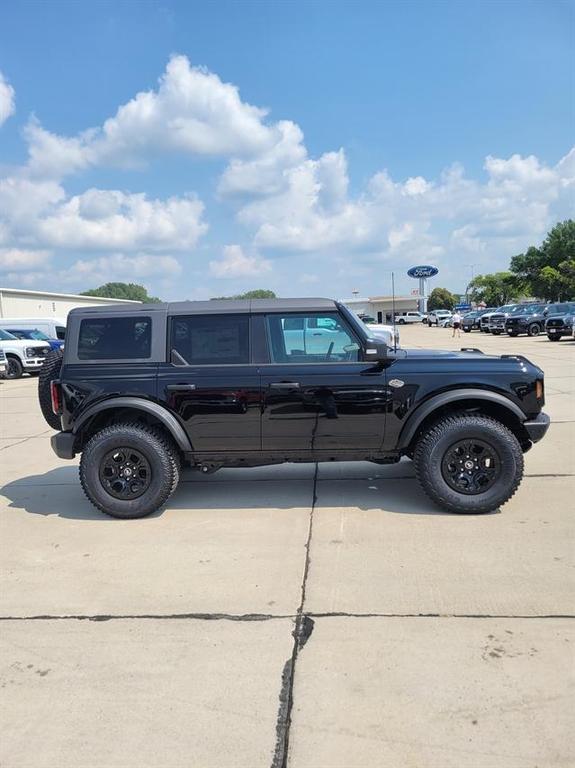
(317, 394)
(210, 383)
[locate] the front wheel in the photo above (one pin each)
(14, 368)
(129, 470)
(553, 336)
(401, 321)
(534, 329)
(469, 463)
(467, 330)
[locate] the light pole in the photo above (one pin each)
(472, 268)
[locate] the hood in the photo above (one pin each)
(468, 357)
(22, 343)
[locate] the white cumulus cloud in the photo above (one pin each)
(110, 219)
(19, 259)
(7, 99)
(236, 263)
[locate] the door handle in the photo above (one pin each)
(284, 385)
(180, 387)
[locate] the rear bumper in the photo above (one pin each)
(63, 444)
(537, 428)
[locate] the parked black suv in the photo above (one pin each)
(142, 390)
(530, 319)
(470, 321)
(560, 319)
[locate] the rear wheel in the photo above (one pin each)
(553, 336)
(469, 463)
(534, 329)
(14, 367)
(512, 333)
(49, 371)
(467, 330)
(129, 470)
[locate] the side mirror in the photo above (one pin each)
(375, 350)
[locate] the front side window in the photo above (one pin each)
(211, 339)
(115, 338)
(313, 338)
(60, 332)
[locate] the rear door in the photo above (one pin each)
(317, 393)
(210, 383)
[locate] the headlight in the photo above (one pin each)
(30, 352)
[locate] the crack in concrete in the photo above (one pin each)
(153, 617)
(302, 630)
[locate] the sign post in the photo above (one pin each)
(422, 273)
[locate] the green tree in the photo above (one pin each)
(496, 289)
(549, 271)
(131, 291)
(441, 298)
(258, 293)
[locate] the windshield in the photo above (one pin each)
(531, 309)
(561, 309)
(354, 320)
(26, 334)
(5, 336)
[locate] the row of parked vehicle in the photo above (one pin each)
(555, 319)
(25, 344)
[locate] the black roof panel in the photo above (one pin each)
(215, 306)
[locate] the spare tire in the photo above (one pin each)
(49, 371)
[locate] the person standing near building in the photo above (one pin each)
(456, 319)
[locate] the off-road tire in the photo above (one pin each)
(534, 329)
(14, 367)
(432, 446)
(161, 454)
(49, 371)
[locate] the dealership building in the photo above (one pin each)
(382, 307)
(15, 302)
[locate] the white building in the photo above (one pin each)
(23, 303)
(382, 307)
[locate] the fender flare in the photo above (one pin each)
(147, 406)
(438, 401)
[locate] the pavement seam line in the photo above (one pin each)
(302, 630)
(153, 617)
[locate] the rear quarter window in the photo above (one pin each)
(115, 338)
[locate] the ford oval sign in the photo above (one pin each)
(423, 271)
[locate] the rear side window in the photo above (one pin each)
(115, 338)
(212, 339)
(60, 332)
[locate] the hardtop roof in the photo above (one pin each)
(214, 306)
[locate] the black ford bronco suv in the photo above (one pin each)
(142, 390)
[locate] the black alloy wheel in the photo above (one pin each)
(471, 466)
(125, 473)
(534, 329)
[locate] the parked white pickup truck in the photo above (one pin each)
(22, 355)
(401, 318)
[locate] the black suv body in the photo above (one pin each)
(560, 318)
(144, 389)
(530, 319)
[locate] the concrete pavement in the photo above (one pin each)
(423, 639)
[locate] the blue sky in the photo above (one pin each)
(393, 134)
